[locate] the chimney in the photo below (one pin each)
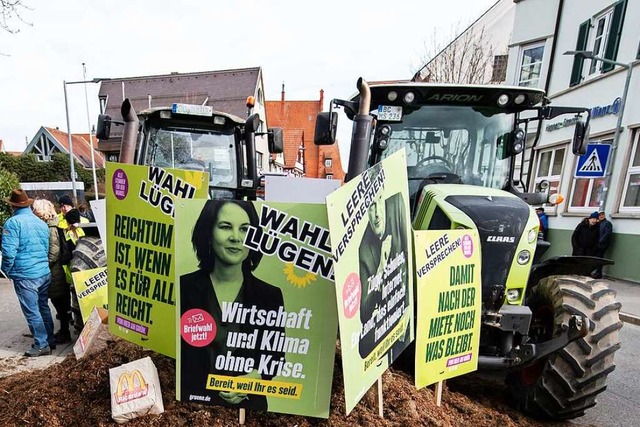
(282, 102)
(321, 102)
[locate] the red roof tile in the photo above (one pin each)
(301, 115)
(81, 147)
(293, 140)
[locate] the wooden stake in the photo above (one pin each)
(439, 393)
(241, 416)
(380, 407)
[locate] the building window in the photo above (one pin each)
(499, 73)
(259, 159)
(601, 26)
(585, 192)
(329, 176)
(327, 163)
(631, 191)
(531, 65)
(601, 35)
(549, 168)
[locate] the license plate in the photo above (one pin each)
(389, 113)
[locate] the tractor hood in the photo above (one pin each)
(507, 227)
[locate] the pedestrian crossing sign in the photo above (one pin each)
(594, 162)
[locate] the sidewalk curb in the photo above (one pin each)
(630, 318)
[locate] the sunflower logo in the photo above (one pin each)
(295, 280)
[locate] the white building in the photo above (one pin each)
(537, 33)
(484, 42)
(543, 31)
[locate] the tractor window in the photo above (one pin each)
(200, 150)
(460, 143)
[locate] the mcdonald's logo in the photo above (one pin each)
(131, 386)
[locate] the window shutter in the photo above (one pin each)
(615, 31)
(576, 71)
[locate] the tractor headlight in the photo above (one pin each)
(503, 100)
(523, 257)
(520, 99)
(513, 295)
(532, 236)
(392, 96)
(409, 97)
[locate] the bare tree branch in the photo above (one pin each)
(467, 59)
(11, 10)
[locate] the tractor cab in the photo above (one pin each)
(456, 134)
(196, 137)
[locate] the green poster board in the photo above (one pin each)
(371, 244)
(140, 264)
(91, 290)
(449, 298)
(255, 299)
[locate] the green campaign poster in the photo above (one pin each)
(448, 300)
(255, 299)
(371, 244)
(91, 290)
(140, 264)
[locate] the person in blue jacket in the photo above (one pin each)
(544, 222)
(25, 250)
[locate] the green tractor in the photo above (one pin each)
(195, 137)
(547, 324)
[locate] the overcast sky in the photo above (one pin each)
(307, 45)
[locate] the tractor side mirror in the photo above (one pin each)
(252, 123)
(275, 141)
(580, 136)
(326, 125)
(103, 129)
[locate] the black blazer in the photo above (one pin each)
(369, 254)
(196, 291)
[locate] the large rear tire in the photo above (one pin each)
(565, 383)
(88, 254)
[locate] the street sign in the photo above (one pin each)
(594, 162)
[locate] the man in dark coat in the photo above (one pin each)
(605, 231)
(384, 240)
(585, 237)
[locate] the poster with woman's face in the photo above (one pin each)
(255, 306)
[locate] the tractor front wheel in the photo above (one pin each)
(565, 383)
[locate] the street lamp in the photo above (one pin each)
(587, 54)
(70, 140)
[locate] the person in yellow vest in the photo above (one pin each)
(72, 233)
(67, 217)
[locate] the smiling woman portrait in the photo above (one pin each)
(225, 275)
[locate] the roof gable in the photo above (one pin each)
(47, 141)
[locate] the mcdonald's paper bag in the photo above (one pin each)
(135, 390)
(94, 335)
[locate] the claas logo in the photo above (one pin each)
(131, 386)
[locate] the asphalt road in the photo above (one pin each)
(14, 340)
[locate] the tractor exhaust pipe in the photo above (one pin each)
(130, 134)
(361, 135)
